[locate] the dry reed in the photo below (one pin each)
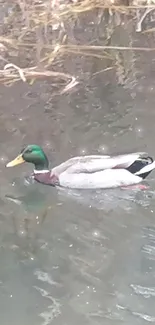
(32, 21)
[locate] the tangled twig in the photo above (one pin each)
(139, 24)
(12, 73)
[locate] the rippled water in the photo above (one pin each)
(67, 256)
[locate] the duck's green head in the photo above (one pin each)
(32, 154)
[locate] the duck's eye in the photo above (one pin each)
(28, 150)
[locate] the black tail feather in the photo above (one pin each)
(139, 164)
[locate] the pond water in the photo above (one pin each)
(67, 256)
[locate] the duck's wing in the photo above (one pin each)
(95, 163)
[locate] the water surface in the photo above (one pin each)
(67, 256)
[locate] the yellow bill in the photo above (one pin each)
(18, 160)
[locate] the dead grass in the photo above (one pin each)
(38, 29)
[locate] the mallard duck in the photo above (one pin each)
(87, 172)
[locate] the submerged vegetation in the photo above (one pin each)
(37, 37)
